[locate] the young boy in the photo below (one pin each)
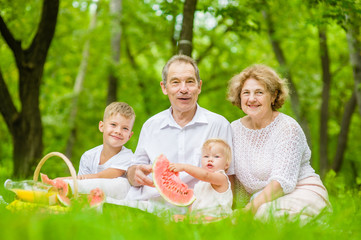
(213, 192)
(111, 159)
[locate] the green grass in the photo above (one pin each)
(118, 222)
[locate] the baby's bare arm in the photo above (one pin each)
(215, 178)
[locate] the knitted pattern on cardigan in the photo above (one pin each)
(277, 152)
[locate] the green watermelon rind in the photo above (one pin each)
(63, 200)
(163, 195)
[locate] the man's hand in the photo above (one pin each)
(137, 175)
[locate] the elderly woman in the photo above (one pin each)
(272, 158)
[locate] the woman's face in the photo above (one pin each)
(256, 100)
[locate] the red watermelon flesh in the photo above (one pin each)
(169, 185)
(61, 186)
(96, 197)
(46, 179)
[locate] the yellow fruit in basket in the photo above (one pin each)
(32, 191)
(45, 197)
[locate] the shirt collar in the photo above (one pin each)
(199, 118)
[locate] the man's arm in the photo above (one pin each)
(137, 175)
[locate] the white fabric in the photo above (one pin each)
(156, 205)
(116, 188)
(277, 152)
(210, 202)
(162, 135)
(89, 161)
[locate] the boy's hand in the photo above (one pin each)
(176, 167)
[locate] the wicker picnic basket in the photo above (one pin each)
(68, 163)
(19, 205)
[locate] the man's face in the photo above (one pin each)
(182, 87)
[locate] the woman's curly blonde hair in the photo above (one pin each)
(265, 75)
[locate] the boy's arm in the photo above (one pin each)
(215, 178)
(107, 173)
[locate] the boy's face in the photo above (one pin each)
(117, 130)
(213, 158)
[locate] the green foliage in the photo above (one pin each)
(228, 36)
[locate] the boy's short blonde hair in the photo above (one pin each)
(226, 148)
(119, 107)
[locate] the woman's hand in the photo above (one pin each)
(271, 192)
(250, 208)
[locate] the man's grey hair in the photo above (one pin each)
(180, 58)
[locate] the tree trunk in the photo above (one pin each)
(173, 38)
(78, 86)
(186, 36)
(342, 137)
(326, 79)
(295, 101)
(354, 43)
(26, 126)
(116, 33)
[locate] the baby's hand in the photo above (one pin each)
(175, 167)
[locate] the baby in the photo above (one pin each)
(213, 192)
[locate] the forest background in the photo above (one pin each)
(62, 62)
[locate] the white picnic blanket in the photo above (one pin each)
(116, 188)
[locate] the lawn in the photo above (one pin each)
(116, 222)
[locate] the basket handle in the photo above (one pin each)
(67, 161)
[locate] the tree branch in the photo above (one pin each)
(7, 107)
(13, 44)
(211, 45)
(39, 47)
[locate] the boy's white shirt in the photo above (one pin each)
(89, 161)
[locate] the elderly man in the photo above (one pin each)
(177, 132)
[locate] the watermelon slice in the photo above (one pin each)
(96, 197)
(170, 185)
(45, 179)
(62, 187)
(64, 200)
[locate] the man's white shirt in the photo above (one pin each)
(160, 134)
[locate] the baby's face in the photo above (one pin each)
(213, 158)
(116, 130)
